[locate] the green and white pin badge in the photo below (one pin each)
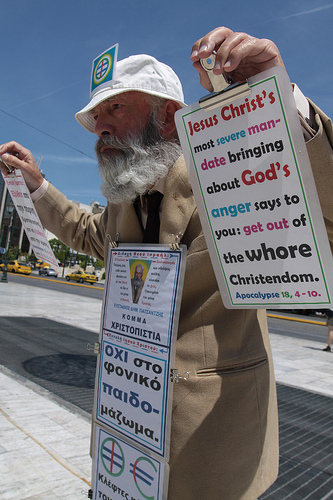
(103, 68)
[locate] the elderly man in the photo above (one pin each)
(224, 436)
(137, 283)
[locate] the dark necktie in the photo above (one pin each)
(151, 233)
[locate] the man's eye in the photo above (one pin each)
(116, 105)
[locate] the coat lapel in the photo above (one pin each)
(128, 225)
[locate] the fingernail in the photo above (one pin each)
(217, 65)
(194, 53)
(4, 156)
(203, 48)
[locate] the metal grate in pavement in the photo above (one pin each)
(306, 446)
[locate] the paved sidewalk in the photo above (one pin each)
(302, 364)
(44, 447)
(44, 451)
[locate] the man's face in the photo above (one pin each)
(138, 273)
(131, 151)
(123, 115)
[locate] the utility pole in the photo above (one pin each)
(11, 211)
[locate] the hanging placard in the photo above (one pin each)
(256, 197)
(122, 471)
(140, 315)
(29, 218)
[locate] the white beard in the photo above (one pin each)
(141, 161)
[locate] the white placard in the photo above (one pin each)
(122, 471)
(133, 391)
(256, 197)
(30, 221)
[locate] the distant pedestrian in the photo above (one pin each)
(329, 314)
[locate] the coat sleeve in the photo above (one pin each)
(75, 227)
(321, 157)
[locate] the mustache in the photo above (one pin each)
(150, 135)
(114, 143)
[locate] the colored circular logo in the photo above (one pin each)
(102, 69)
(144, 476)
(112, 457)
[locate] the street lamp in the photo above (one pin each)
(10, 210)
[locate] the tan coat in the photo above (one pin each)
(224, 441)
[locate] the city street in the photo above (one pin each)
(46, 326)
(60, 284)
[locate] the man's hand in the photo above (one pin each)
(16, 156)
(237, 55)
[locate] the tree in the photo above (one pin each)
(13, 253)
(59, 249)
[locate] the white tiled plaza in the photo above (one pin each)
(44, 448)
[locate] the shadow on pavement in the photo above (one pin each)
(68, 369)
(51, 354)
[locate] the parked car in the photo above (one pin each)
(15, 266)
(47, 271)
(82, 276)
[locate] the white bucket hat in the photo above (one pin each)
(141, 73)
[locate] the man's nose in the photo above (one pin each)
(104, 125)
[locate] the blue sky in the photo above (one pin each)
(48, 48)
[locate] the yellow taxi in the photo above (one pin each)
(41, 264)
(82, 276)
(15, 266)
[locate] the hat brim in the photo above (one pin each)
(85, 116)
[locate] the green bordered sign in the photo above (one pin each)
(256, 197)
(122, 470)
